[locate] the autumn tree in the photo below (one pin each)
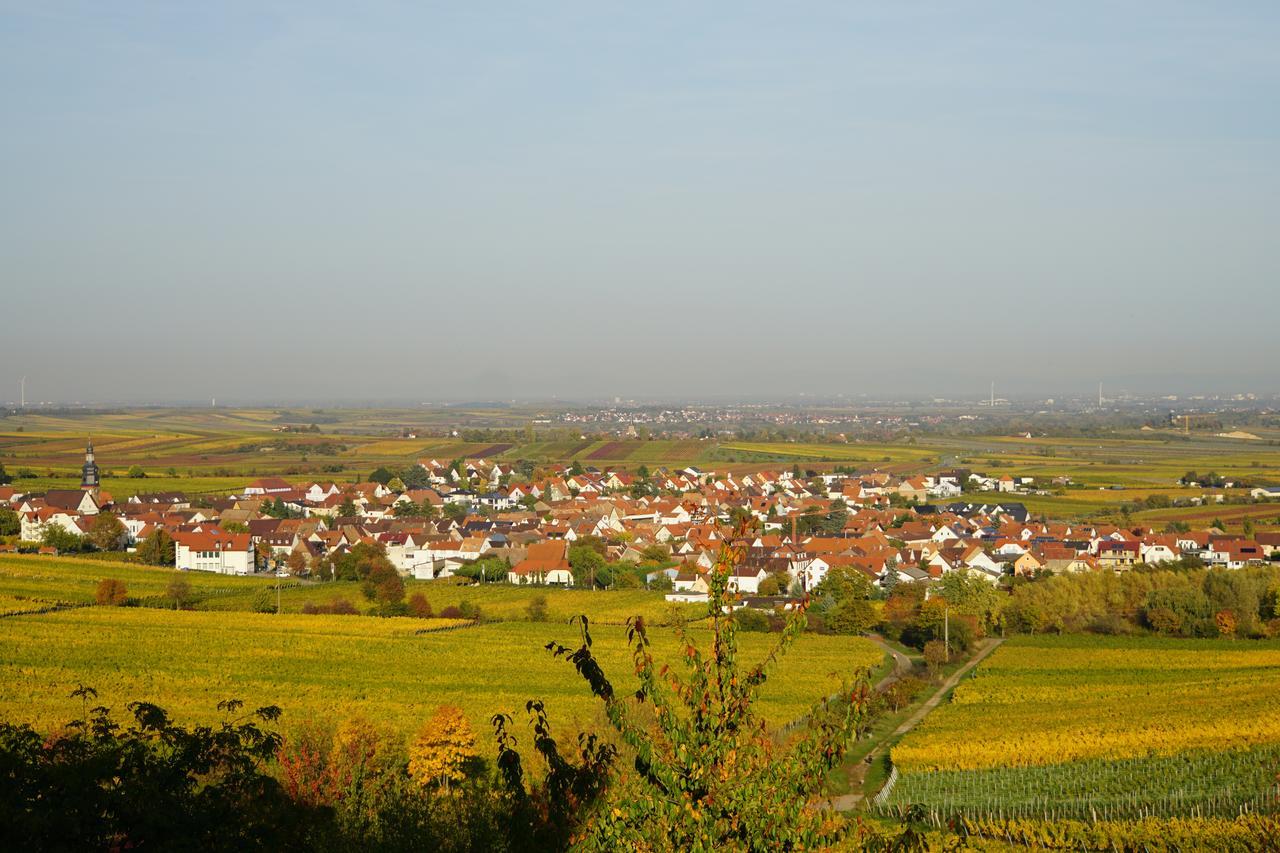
(419, 606)
(157, 549)
(296, 563)
(443, 748)
(111, 593)
(106, 533)
(362, 765)
(708, 774)
(1226, 622)
(935, 655)
(383, 584)
(178, 591)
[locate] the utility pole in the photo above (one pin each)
(946, 629)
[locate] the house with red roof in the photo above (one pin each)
(214, 550)
(544, 563)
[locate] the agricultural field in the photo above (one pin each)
(69, 580)
(327, 668)
(1081, 726)
(44, 581)
(497, 602)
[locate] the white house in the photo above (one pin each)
(214, 551)
(746, 580)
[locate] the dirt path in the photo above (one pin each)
(857, 776)
(901, 663)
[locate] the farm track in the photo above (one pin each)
(848, 802)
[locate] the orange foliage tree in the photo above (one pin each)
(111, 592)
(442, 749)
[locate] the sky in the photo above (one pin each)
(345, 202)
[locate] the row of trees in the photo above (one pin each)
(1193, 602)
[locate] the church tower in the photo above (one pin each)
(89, 480)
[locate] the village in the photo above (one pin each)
(661, 529)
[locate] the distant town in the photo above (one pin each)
(660, 528)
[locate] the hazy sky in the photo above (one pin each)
(272, 200)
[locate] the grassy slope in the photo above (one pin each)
(330, 667)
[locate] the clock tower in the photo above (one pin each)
(89, 480)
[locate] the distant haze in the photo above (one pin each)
(484, 201)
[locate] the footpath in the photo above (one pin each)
(847, 802)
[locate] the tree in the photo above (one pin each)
(445, 745)
(708, 774)
(575, 469)
(383, 584)
(842, 583)
(409, 509)
(146, 784)
(60, 539)
(537, 609)
(178, 591)
(586, 563)
(10, 523)
(1226, 622)
(656, 553)
(106, 532)
(136, 473)
(774, 584)
(935, 655)
(296, 563)
(455, 511)
(419, 606)
(359, 560)
(1248, 528)
(890, 579)
(1163, 620)
(969, 594)
(851, 616)
(157, 549)
(5, 479)
(415, 477)
(381, 475)
(347, 509)
(111, 593)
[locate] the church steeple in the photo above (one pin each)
(89, 480)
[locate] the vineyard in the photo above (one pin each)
(1100, 728)
(1200, 784)
(332, 667)
(68, 580)
(33, 582)
(1243, 834)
